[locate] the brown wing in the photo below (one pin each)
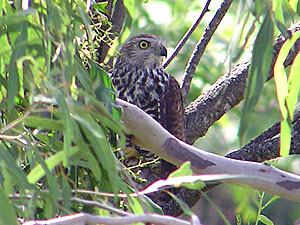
(172, 117)
(175, 110)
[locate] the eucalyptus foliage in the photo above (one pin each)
(59, 121)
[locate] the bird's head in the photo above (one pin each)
(144, 50)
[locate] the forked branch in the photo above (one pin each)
(201, 46)
(226, 93)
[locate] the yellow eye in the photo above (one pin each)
(144, 44)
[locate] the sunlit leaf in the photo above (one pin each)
(15, 19)
(38, 172)
(294, 86)
(183, 170)
(294, 4)
(100, 6)
(277, 7)
(130, 6)
(274, 198)
(287, 92)
(285, 138)
(265, 220)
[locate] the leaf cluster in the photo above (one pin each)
(59, 121)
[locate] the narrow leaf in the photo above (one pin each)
(265, 220)
(7, 212)
(130, 6)
(287, 92)
(38, 172)
(43, 123)
(258, 71)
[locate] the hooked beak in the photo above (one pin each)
(162, 51)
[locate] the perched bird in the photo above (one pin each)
(140, 79)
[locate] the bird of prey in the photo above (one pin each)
(139, 78)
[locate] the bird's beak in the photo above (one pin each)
(162, 51)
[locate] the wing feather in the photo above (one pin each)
(171, 117)
(175, 110)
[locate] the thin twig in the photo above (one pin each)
(18, 120)
(201, 45)
(99, 205)
(77, 200)
(187, 35)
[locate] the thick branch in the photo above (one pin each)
(84, 218)
(266, 146)
(150, 135)
(117, 18)
(227, 92)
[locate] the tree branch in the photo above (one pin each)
(201, 45)
(84, 218)
(150, 135)
(117, 17)
(187, 34)
(227, 92)
(266, 146)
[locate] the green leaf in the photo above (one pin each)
(294, 4)
(287, 92)
(66, 195)
(102, 149)
(93, 163)
(130, 6)
(274, 198)
(14, 170)
(7, 212)
(294, 86)
(15, 19)
(87, 121)
(183, 170)
(69, 124)
(285, 138)
(43, 123)
(265, 220)
(277, 7)
(38, 172)
(101, 7)
(281, 27)
(258, 71)
(13, 79)
(56, 18)
(104, 89)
